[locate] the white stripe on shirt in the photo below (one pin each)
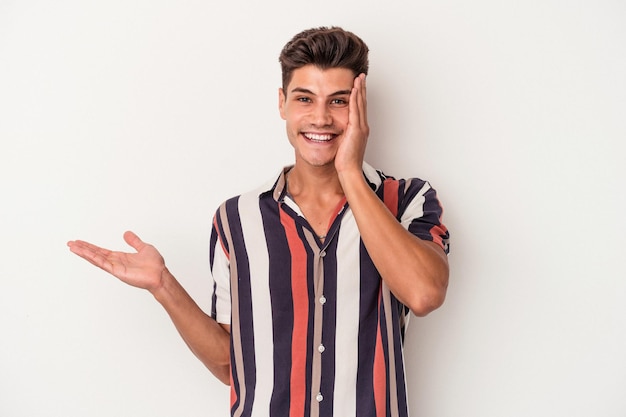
(252, 227)
(347, 332)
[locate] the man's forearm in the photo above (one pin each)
(206, 338)
(416, 271)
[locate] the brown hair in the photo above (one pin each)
(324, 47)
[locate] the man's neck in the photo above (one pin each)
(314, 182)
(318, 193)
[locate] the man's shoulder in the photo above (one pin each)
(377, 177)
(252, 194)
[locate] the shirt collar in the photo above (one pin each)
(276, 186)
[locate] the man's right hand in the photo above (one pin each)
(144, 269)
(207, 339)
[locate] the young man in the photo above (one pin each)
(316, 272)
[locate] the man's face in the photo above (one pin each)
(315, 109)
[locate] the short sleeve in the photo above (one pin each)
(417, 207)
(220, 273)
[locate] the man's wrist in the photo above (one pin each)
(160, 290)
(351, 179)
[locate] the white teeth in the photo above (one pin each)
(320, 138)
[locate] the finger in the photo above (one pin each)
(134, 241)
(363, 102)
(83, 247)
(354, 112)
(93, 254)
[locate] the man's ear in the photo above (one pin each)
(281, 102)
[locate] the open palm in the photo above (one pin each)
(142, 269)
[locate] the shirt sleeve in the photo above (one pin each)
(220, 273)
(420, 212)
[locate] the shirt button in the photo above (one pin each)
(319, 397)
(323, 253)
(322, 300)
(321, 348)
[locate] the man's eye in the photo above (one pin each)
(304, 99)
(338, 101)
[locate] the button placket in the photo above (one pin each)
(322, 301)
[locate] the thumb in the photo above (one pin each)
(134, 241)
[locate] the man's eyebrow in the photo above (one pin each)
(302, 90)
(307, 91)
(341, 93)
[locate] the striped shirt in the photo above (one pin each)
(314, 329)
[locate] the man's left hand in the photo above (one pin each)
(352, 147)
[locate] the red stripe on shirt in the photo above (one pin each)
(219, 237)
(338, 210)
(233, 393)
(300, 315)
(380, 377)
(436, 232)
(390, 196)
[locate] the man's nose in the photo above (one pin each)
(321, 115)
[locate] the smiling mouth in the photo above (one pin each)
(319, 137)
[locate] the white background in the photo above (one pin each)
(145, 115)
